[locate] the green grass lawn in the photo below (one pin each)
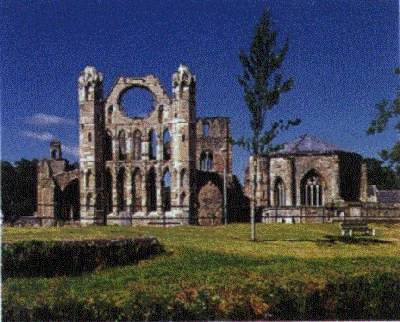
(218, 257)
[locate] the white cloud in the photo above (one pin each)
(47, 137)
(72, 150)
(41, 136)
(48, 119)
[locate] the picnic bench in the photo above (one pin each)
(350, 226)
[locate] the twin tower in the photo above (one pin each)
(145, 170)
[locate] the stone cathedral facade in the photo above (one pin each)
(165, 168)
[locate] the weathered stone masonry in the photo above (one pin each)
(141, 170)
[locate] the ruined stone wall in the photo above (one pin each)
(282, 167)
(45, 191)
(263, 181)
(125, 161)
(128, 150)
(57, 192)
(292, 169)
(327, 167)
(215, 141)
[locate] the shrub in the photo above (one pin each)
(361, 297)
(72, 257)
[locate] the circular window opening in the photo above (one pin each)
(137, 102)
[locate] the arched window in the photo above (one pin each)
(136, 191)
(108, 146)
(137, 145)
(206, 129)
(108, 191)
(311, 189)
(87, 178)
(152, 145)
(166, 145)
(121, 189)
(121, 145)
(109, 114)
(279, 193)
(89, 137)
(206, 161)
(166, 191)
(151, 190)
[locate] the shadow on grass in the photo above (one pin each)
(332, 239)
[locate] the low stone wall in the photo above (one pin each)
(381, 213)
(297, 215)
(373, 212)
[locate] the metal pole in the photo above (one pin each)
(225, 201)
(253, 207)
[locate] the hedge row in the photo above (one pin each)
(72, 257)
(363, 297)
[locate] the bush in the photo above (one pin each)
(361, 297)
(72, 257)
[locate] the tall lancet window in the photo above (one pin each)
(312, 190)
(279, 193)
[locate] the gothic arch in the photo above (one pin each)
(108, 151)
(121, 145)
(121, 198)
(206, 160)
(149, 83)
(152, 144)
(166, 144)
(166, 190)
(151, 190)
(279, 192)
(137, 145)
(136, 190)
(312, 189)
(108, 191)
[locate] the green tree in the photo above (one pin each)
(380, 175)
(387, 110)
(263, 85)
(18, 188)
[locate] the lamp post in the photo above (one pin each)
(224, 150)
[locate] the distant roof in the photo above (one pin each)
(308, 144)
(388, 196)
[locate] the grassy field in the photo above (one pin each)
(216, 257)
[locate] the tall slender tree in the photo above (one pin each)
(263, 85)
(387, 110)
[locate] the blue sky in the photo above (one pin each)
(342, 56)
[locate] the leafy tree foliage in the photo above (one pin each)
(387, 110)
(263, 85)
(380, 175)
(18, 188)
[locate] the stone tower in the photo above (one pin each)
(91, 127)
(55, 150)
(184, 140)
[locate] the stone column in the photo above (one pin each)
(144, 191)
(114, 192)
(159, 188)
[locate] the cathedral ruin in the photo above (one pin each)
(172, 168)
(169, 167)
